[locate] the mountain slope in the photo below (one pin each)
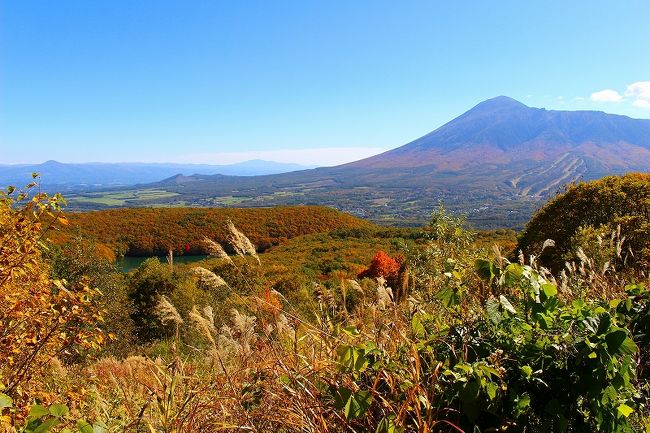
(496, 162)
(503, 131)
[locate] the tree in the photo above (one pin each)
(147, 284)
(41, 318)
(385, 266)
(600, 207)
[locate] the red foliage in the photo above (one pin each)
(382, 265)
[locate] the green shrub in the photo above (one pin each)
(602, 206)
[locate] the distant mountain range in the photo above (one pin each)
(497, 162)
(102, 175)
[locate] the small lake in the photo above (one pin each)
(126, 264)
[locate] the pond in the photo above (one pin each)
(126, 264)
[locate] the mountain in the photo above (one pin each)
(101, 175)
(559, 146)
(497, 162)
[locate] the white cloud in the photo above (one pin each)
(322, 157)
(607, 95)
(642, 103)
(640, 93)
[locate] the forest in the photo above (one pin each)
(306, 319)
(155, 231)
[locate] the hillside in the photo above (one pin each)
(146, 232)
(497, 162)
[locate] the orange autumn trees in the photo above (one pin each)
(392, 269)
(40, 318)
(154, 231)
(382, 265)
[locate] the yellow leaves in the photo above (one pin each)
(39, 317)
(5, 420)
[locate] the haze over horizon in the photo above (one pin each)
(313, 84)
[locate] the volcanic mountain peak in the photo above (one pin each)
(496, 104)
(502, 130)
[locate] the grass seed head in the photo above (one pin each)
(240, 243)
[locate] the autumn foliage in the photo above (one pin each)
(382, 265)
(288, 341)
(147, 232)
(40, 318)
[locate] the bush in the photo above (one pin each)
(602, 206)
(41, 318)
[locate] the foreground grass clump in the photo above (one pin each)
(444, 337)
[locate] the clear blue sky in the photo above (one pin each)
(219, 81)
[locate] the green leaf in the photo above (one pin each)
(492, 390)
(492, 307)
(353, 404)
(523, 403)
(628, 347)
(352, 359)
(387, 425)
(352, 331)
(5, 401)
(549, 290)
(527, 371)
(512, 275)
(11, 189)
(448, 296)
(624, 410)
(618, 342)
(544, 321)
(100, 427)
(38, 411)
(485, 269)
(84, 427)
(604, 323)
(417, 327)
(59, 410)
(46, 425)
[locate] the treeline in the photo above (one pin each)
(154, 231)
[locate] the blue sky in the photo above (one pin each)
(315, 82)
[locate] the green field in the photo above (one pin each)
(122, 198)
